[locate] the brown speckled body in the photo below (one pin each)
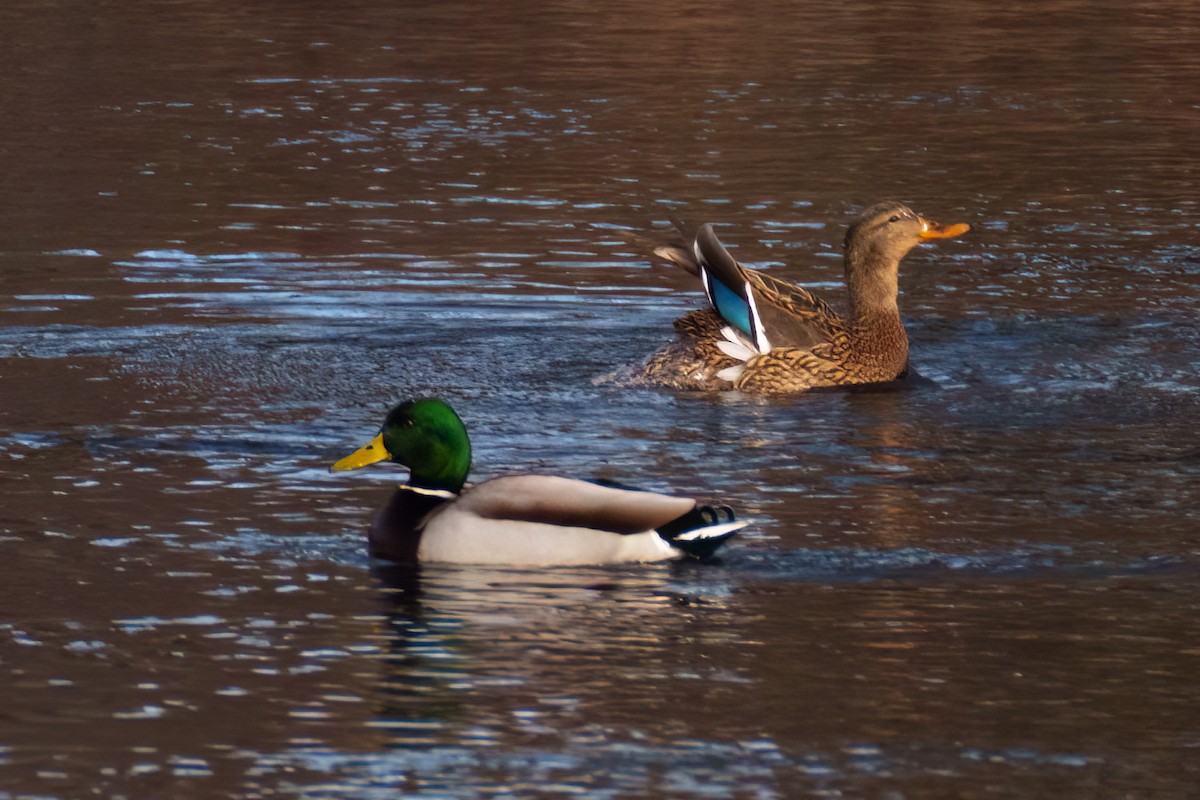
(691, 360)
(876, 353)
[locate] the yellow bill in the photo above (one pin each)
(370, 453)
(934, 230)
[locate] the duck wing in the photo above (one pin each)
(792, 315)
(773, 313)
(572, 503)
(540, 520)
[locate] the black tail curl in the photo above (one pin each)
(701, 517)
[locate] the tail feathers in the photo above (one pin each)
(680, 256)
(679, 251)
(701, 531)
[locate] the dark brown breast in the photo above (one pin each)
(396, 528)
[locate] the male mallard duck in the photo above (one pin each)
(521, 519)
(768, 336)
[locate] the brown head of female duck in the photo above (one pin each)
(874, 246)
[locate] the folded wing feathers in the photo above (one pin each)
(678, 256)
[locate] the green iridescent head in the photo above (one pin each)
(424, 435)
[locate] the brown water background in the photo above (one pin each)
(231, 235)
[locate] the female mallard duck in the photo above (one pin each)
(520, 519)
(767, 336)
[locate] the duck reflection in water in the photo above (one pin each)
(468, 643)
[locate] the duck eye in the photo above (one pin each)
(895, 218)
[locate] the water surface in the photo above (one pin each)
(232, 238)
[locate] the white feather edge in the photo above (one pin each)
(760, 336)
(705, 280)
(712, 531)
